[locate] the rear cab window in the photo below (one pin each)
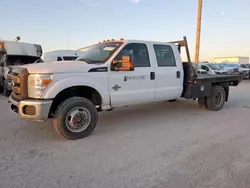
(164, 55)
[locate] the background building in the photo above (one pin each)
(237, 60)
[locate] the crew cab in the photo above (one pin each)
(112, 74)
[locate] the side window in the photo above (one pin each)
(59, 59)
(165, 56)
(138, 53)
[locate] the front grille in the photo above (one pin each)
(19, 78)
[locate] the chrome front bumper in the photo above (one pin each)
(40, 108)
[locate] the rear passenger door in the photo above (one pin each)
(169, 73)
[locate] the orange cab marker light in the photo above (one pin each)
(121, 38)
(195, 81)
(1, 44)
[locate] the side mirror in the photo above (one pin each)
(123, 64)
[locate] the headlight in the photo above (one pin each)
(37, 83)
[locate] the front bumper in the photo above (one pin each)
(32, 109)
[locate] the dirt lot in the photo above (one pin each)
(157, 145)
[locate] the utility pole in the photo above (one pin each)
(198, 34)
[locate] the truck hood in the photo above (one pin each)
(60, 67)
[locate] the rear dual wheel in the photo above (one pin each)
(216, 101)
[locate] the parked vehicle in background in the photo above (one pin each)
(61, 55)
(200, 71)
(109, 75)
(235, 70)
(246, 66)
(15, 54)
(245, 72)
(212, 68)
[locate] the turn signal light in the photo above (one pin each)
(1, 44)
(46, 82)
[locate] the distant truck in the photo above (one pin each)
(14, 54)
(109, 75)
(60, 55)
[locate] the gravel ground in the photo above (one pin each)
(158, 145)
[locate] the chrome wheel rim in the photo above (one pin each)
(218, 98)
(78, 119)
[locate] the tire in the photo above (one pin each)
(202, 103)
(217, 99)
(173, 100)
(66, 115)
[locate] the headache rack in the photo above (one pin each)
(182, 43)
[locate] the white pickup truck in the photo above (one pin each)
(111, 74)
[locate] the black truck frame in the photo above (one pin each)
(212, 91)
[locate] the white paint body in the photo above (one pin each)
(165, 86)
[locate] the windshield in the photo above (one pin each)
(248, 66)
(214, 66)
(17, 60)
(99, 52)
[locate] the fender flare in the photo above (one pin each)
(58, 86)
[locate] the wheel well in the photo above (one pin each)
(76, 91)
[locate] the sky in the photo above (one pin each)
(72, 24)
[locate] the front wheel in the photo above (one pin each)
(75, 118)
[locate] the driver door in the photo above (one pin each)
(132, 87)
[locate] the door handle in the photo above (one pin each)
(178, 74)
(152, 75)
